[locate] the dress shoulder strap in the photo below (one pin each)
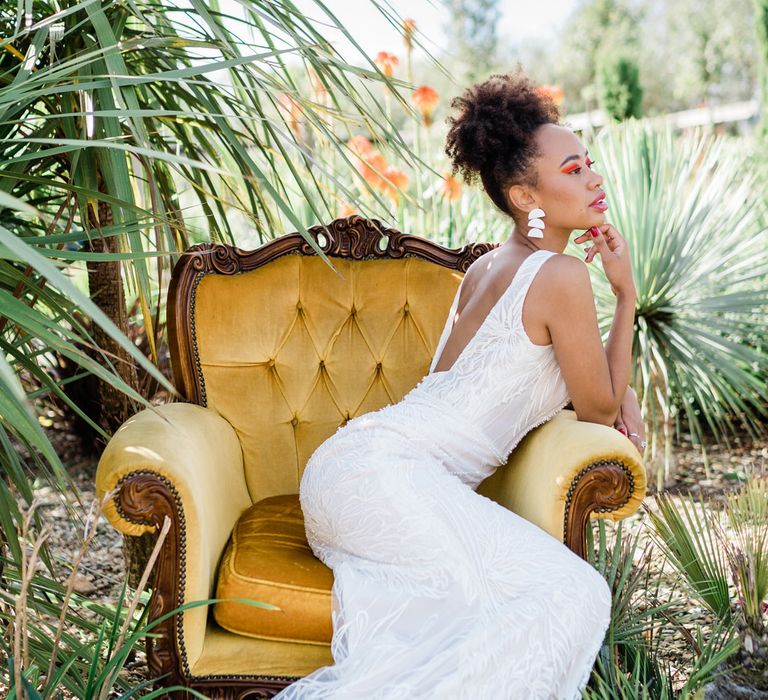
(524, 279)
(447, 327)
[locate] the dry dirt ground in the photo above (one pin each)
(102, 569)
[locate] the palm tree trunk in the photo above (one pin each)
(114, 407)
(106, 290)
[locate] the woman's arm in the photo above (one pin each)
(618, 347)
(630, 419)
(596, 376)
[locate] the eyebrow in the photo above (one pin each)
(573, 157)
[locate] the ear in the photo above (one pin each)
(521, 197)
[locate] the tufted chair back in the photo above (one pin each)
(286, 349)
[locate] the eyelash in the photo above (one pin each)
(578, 170)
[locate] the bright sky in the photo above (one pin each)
(521, 19)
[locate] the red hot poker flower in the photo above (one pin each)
(425, 98)
(387, 62)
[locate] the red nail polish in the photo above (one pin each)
(595, 231)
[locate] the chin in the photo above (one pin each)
(597, 220)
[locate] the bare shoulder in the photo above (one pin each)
(562, 275)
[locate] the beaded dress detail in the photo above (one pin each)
(439, 592)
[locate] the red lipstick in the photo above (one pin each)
(599, 202)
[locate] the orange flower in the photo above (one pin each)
(369, 161)
(425, 98)
(451, 187)
(395, 180)
(292, 113)
(409, 27)
(346, 210)
(386, 62)
(372, 167)
(360, 146)
(553, 92)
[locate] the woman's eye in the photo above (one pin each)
(575, 170)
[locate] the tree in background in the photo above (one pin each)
(688, 52)
(708, 48)
(761, 25)
(618, 85)
(471, 31)
(595, 29)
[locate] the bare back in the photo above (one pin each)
(484, 283)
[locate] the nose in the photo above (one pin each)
(597, 180)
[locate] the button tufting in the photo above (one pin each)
(294, 421)
(299, 306)
(378, 366)
(406, 307)
(353, 311)
(322, 363)
(271, 362)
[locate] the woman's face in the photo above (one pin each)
(568, 189)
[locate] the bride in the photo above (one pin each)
(438, 591)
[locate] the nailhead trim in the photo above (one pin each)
(589, 468)
(198, 366)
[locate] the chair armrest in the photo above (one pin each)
(565, 471)
(186, 462)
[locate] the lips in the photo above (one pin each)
(599, 202)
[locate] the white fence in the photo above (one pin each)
(745, 113)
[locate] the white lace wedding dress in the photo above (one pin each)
(439, 592)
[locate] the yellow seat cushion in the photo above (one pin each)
(268, 559)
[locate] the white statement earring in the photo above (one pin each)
(535, 223)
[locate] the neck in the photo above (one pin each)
(554, 240)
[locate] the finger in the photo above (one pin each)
(601, 236)
(612, 237)
(608, 229)
(593, 251)
(600, 243)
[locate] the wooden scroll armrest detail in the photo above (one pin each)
(604, 488)
(566, 471)
(184, 462)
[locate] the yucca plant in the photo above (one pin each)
(691, 207)
(625, 653)
(720, 552)
(630, 663)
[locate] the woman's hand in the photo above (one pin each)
(630, 421)
(614, 254)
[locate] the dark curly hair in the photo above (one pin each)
(493, 135)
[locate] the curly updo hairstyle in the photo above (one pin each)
(492, 137)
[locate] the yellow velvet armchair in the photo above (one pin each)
(272, 351)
